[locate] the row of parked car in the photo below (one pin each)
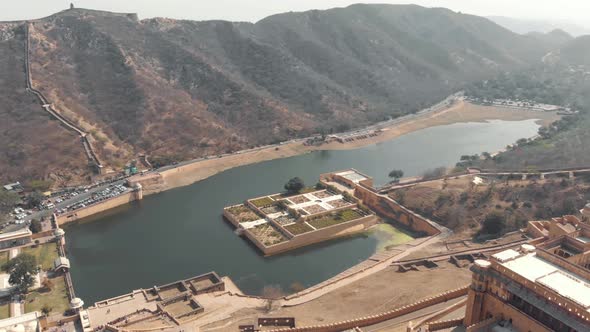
(99, 196)
(20, 214)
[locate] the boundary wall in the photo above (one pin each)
(320, 235)
(384, 316)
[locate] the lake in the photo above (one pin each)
(180, 233)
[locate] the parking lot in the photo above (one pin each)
(111, 191)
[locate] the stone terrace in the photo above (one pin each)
(158, 307)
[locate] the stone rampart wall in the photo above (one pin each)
(389, 208)
(378, 318)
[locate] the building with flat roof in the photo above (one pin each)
(17, 238)
(28, 322)
(16, 186)
(529, 289)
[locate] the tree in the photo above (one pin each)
(294, 185)
(39, 185)
(22, 270)
(35, 226)
(396, 174)
(7, 200)
(494, 223)
(46, 309)
(34, 199)
(568, 206)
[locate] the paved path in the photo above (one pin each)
(362, 270)
(387, 188)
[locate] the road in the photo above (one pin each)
(84, 195)
(80, 197)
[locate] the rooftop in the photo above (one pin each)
(538, 270)
(506, 255)
(352, 175)
(18, 233)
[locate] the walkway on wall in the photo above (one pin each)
(47, 106)
(542, 173)
(373, 264)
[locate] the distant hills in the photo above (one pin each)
(176, 89)
(524, 26)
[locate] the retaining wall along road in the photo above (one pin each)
(99, 207)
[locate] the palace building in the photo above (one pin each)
(535, 288)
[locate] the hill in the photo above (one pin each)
(33, 146)
(576, 52)
(177, 89)
(525, 26)
(561, 79)
(462, 205)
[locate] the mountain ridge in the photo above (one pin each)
(178, 89)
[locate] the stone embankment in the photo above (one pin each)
(99, 207)
(88, 149)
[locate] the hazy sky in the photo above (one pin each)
(577, 11)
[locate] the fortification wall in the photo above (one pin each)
(96, 208)
(378, 318)
(389, 208)
(333, 232)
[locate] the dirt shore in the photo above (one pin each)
(460, 112)
(382, 291)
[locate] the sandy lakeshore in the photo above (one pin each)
(460, 112)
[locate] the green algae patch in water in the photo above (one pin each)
(388, 236)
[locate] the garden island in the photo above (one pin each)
(302, 216)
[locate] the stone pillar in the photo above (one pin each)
(571, 175)
(138, 192)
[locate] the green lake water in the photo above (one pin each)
(180, 233)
